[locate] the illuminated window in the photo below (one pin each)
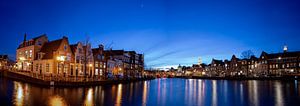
(30, 53)
(26, 54)
(282, 65)
(47, 68)
(101, 72)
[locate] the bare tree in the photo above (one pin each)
(86, 54)
(247, 54)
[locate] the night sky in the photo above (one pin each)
(168, 32)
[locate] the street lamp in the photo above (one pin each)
(22, 59)
(90, 65)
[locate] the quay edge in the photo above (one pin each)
(39, 82)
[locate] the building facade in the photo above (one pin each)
(27, 52)
(58, 58)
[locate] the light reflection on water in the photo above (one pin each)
(279, 100)
(163, 92)
(57, 101)
(18, 94)
(214, 93)
(89, 98)
(119, 95)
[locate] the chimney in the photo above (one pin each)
(101, 47)
(25, 37)
(64, 37)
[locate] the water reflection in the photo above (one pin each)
(57, 101)
(145, 93)
(279, 101)
(164, 92)
(119, 96)
(214, 93)
(253, 92)
(89, 98)
(18, 94)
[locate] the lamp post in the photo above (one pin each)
(22, 59)
(90, 67)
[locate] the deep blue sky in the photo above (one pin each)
(168, 32)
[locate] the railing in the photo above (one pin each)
(65, 78)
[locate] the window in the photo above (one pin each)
(36, 67)
(96, 72)
(96, 64)
(26, 54)
(65, 47)
(282, 65)
(30, 53)
(41, 67)
(47, 68)
(39, 43)
(287, 65)
(101, 72)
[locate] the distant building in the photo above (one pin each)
(217, 68)
(100, 61)
(280, 63)
(4, 62)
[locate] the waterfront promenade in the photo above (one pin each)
(61, 81)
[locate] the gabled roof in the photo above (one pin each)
(33, 41)
(50, 47)
(234, 58)
(73, 48)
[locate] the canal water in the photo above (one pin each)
(158, 92)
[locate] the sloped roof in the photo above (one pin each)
(73, 48)
(217, 61)
(50, 47)
(114, 52)
(285, 54)
(35, 38)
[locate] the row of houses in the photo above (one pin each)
(267, 64)
(59, 58)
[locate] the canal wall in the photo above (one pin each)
(39, 82)
(241, 78)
